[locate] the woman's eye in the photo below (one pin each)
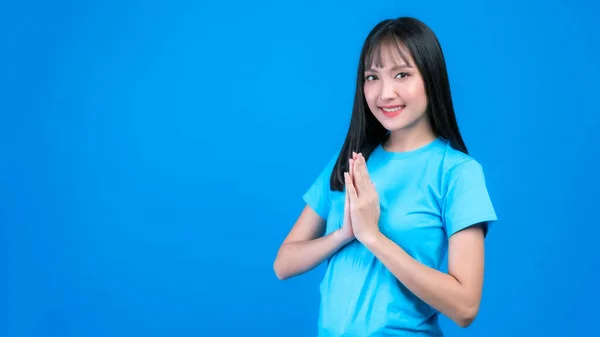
(401, 75)
(370, 77)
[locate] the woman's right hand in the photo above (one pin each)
(346, 230)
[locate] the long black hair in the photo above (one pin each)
(365, 132)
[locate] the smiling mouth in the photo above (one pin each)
(392, 111)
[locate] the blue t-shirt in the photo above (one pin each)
(426, 195)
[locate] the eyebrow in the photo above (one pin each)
(396, 67)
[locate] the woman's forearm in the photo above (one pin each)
(440, 290)
(295, 258)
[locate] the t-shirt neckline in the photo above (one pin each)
(411, 153)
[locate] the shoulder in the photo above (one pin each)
(457, 164)
(319, 192)
(465, 197)
(460, 173)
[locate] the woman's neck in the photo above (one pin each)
(409, 139)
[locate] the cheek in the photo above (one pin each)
(416, 92)
(370, 92)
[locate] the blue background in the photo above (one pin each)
(153, 156)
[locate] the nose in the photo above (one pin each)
(388, 91)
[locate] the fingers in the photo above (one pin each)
(361, 178)
(353, 164)
(350, 190)
(363, 168)
(349, 176)
(357, 169)
(347, 197)
(359, 174)
(346, 201)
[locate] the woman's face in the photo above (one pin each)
(395, 91)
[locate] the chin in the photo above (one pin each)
(401, 122)
(396, 128)
(393, 124)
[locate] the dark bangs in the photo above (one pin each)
(385, 41)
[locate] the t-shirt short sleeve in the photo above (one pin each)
(318, 194)
(467, 201)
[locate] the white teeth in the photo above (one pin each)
(394, 109)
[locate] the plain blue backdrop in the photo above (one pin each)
(153, 156)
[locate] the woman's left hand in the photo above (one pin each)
(364, 201)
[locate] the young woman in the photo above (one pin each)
(400, 194)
